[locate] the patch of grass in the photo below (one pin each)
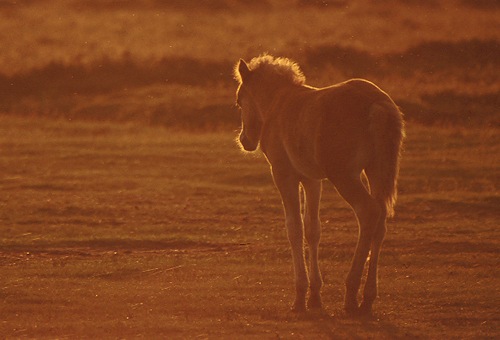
(169, 63)
(126, 231)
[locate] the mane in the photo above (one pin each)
(282, 68)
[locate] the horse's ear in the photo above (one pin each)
(243, 69)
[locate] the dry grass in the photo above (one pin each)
(147, 229)
(125, 231)
(170, 62)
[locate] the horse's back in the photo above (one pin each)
(352, 94)
(318, 129)
(346, 141)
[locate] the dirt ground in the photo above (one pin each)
(125, 231)
(127, 211)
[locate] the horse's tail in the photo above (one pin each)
(387, 129)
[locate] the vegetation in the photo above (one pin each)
(125, 231)
(170, 62)
(128, 211)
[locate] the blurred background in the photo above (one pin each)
(170, 63)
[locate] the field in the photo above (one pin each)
(127, 210)
(125, 232)
(170, 62)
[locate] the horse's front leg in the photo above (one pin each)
(288, 186)
(312, 228)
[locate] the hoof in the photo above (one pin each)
(298, 308)
(365, 309)
(314, 303)
(351, 311)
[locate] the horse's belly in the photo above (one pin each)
(312, 172)
(306, 164)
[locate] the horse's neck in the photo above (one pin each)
(276, 97)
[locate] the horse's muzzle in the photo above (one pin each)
(246, 143)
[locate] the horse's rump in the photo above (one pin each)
(362, 129)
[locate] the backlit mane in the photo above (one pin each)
(284, 68)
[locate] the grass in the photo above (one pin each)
(127, 231)
(170, 63)
(128, 211)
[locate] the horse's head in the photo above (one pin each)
(251, 120)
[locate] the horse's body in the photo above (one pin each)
(308, 134)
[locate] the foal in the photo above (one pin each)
(308, 134)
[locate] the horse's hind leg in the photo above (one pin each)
(371, 289)
(371, 285)
(312, 228)
(367, 212)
